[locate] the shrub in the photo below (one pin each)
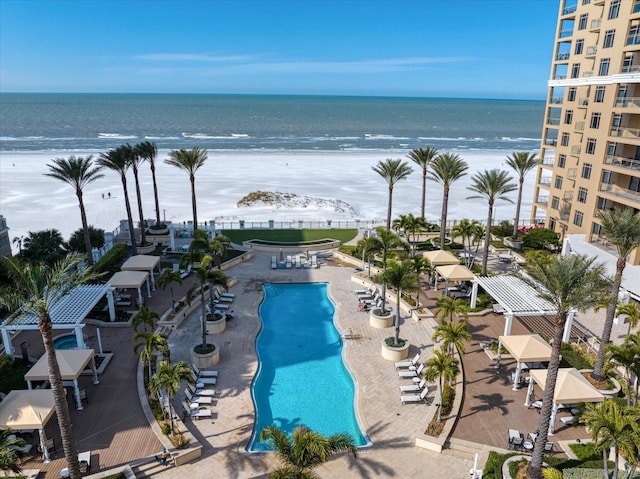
(503, 229)
(540, 238)
(581, 473)
(551, 473)
(110, 263)
(179, 440)
(96, 237)
(165, 428)
(493, 467)
(389, 342)
(574, 357)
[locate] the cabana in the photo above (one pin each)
(143, 262)
(525, 348)
(71, 362)
(131, 280)
(437, 258)
(23, 409)
(571, 388)
(454, 272)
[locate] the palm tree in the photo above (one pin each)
(521, 162)
(369, 246)
(116, 160)
(47, 246)
(151, 342)
(400, 276)
(441, 367)
(452, 335)
(189, 161)
(146, 317)
(568, 283)
(134, 159)
(148, 151)
(9, 456)
(423, 158)
(168, 378)
(212, 277)
(632, 313)
(491, 185)
(612, 425)
(36, 289)
(633, 341)
(77, 172)
(419, 265)
(415, 225)
(627, 356)
(446, 168)
(388, 240)
(167, 278)
(18, 240)
(622, 228)
(304, 450)
(392, 171)
(448, 307)
(468, 232)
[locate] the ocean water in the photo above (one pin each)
(50, 122)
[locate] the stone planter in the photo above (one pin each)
(208, 360)
(607, 393)
(395, 354)
(158, 231)
(216, 326)
(381, 322)
(146, 249)
(515, 245)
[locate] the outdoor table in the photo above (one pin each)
(527, 445)
(65, 473)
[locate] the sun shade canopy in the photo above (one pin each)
(128, 279)
(571, 386)
(527, 347)
(440, 258)
(515, 295)
(71, 361)
(141, 262)
(455, 272)
(24, 409)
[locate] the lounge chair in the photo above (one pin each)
(185, 272)
(200, 400)
(410, 373)
(568, 420)
(408, 388)
(515, 438)
(219, 305)
(314, 261)
(298, 261)
(414, 397)
(84, 459)
(224, 293)
(202, 373)
(201, 392)
(196, 413)
(406, 364)
(222, 299)
(274, 263)
(548, 446)
(288, 264)
(176, 267)
(204, 381)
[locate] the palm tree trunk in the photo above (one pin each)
(59, 399)
(155, 192)
(383, 292)
(143, 233)
(605, 457)
(487, 239)
(397, 325)
(535, 468)
(127, 204)
(608, 322)
(424, 191)
(443, 216)
(440, 386)
(517, 219)
(85, 229)
(204, 317)
(389, 206)
(193, 203)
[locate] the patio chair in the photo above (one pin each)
(274, 263)
(201, 392)
(406, 364)
(204, 381)
(195, 413)
(413, 387)
(199, 400)
(515, 438)
(410, 373)
(314, 261)
(414, 397)
(288, 264)
(548, 446)
(225, 294)
(203, 373)
(51, 446)
(222, 299)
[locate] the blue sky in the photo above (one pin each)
(430, 48)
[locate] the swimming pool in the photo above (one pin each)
(68, 341)
(301, 378)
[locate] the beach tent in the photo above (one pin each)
(131, 280)
(143, 262)
(454, 272)
(71, 362)
(525, 348)
(24, 409)
(571, 388)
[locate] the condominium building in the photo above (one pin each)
(5, 244)
(590, 147)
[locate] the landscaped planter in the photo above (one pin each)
(146, 249)
(207, 360)
(392, 353)
(158, 231)
(216, 326)
(516, 245)
(607, 393)
(381, 321)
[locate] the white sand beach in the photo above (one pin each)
(31, 201)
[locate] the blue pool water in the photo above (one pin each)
(65, 342)
(301, 378)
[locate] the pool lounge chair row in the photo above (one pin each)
(198, 400)
(412, 370)
(296, 261)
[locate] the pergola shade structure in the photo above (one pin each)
(71, 362)
(143, 262)
(66, 312)
(439, 258)
(24, 409)
(525, 348)
(131, 280)
(454, 272)
(571, 388)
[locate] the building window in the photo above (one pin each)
(568, 117)
(591, 146)
(599, 97)
(575, 70)
(606, 177)
(558, 183)
(582, 195)
(562, 159)
(579, 47)
(555, 202)
(577, 218)
(564, 141)
(622, 92)
(634, 184)
(634, 35)
(582, 22)
(627, 64)
(595, 121)
(617, 120)
(636, 6)
(614, 9)
(604, 67)
(586, 170)
(596, 229)
(611, 150)
(608, 38)
(571, 94)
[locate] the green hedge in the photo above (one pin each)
(291, 236)
(493, 467)
(580, 473)
(574, 358)
(110, 263)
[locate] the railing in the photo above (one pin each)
(551, 142)
(595, 24)
(587, 74)
(633, 40)
(569, 9)
(562, 56)
(548, 162)
(560, 77)
(566, 33)
(545, 182)
(567, 196)
(572, 173)
(631, 69)
(625, 132)
(615, 190)
(591, 51)
(553, 121)
(628, 163)
(556, 100)
(583, 102)
(564, 216)
(579, 126)
(576, 149)
(543, 200)
(628, 102)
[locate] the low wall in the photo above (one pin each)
(291, 249)
(126, 470)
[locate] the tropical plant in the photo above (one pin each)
(622, 228)
(469, 232)
(449, 307)
(217, 247)
(392, 171)
(46, 246)
(189, 161)
(446, 168)
(167, 278)
(9, 455)
(627, 356)
(168, 378)
(522, 162)
(212, 277)
(78, 173)
(490, 185)
(633, 341)
(148, 151)
(18, 240)
(304, 450)
(441, 367)
(414, 225)
(400, 276)
(36, 289)
(423, 158)
(116, 160)
(134, 159)
(452, 335)
(146, 317)
(568, 283)
(369, 246)
(632, 313)
(613, 425)
(419, 265)
(96, 239)
(151, 342)
(388, 240)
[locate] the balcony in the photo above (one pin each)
(548, 161)
(587, 74)
(546, 181)
(559, 77)
(568, 196)
(633, 40)
(615, 190)
(572, 173)
(583, 102)
(633, 102)
(631, 69)
(631, 133)
(570, 9)
(595, 25)
(566, 33)
(579, 126)
(556, 100)
(553, 121)
(576, 149)
(591, 52)
(542, 200)
(562, 56)
(620, 162)
(551, 142)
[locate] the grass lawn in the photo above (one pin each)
(290, 236)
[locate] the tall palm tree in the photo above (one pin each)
(469, 233)
(77, 172)
(36, 289)
(148, 151)
(423, 158)
(612, 425)
(369, 246)
(633, 341)
(151, 342)
(522, 162)
(419, 265)
(304, 450)
(168, 378)
(212, 277)
(441, 367)
(400, 276)
(167, 278)
(116, 160)
(491, 185)
(568, 283)
(622, 228)
(47, 246)
(134, 159)
(449, 307)
(632, 313)
(627, 356)
(392, 171)
(388, 240)
(146, 317)
(9, 455)
(452, 335)
(415, 224)
(189, 161)
(446, 168)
